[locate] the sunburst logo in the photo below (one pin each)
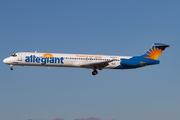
(47, 55)
(154, 53)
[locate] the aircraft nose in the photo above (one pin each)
(6, 60)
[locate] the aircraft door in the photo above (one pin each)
(113, 62)
(20, 57)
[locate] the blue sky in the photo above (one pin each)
(123, 27)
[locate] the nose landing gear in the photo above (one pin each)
(95, 72)
(11, 67)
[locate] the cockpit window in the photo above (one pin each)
(14, 55)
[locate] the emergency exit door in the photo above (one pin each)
(19, 57)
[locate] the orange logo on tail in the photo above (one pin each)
(154, 54)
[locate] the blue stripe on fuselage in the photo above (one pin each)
(137, 58)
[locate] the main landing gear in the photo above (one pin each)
(95, 72)
(11, 67)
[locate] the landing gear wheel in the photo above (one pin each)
(95, 72)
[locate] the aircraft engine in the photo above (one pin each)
(132, 63)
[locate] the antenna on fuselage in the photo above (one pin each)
(36, 51)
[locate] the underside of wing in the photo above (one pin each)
(97, 65)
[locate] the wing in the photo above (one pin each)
(97, 65)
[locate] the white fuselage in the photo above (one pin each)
(62, 60)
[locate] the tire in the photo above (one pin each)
(95, 72)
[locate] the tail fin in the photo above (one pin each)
(155, 51)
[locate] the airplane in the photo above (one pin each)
(95, 62)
